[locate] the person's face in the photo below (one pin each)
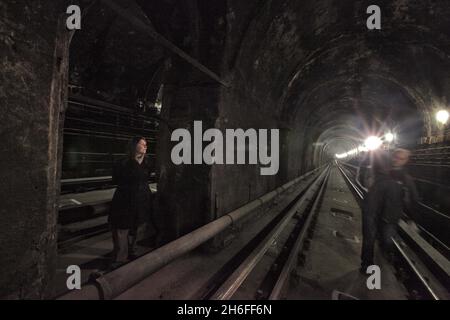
(141, 147)
(399, 159)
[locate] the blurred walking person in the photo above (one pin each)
(400, 158)
(381, 211)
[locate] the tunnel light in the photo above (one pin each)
(442, 116)
(362, 149)
(373, 143)
(342, 155)
(389, 137)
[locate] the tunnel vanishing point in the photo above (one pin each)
(311, 69)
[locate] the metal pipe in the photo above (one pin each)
(290, 262)
(112, 284)
(148, 29)
(235, 280)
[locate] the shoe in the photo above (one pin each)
(363, 268)
(131, 254)
(95, 275)
(115, 265)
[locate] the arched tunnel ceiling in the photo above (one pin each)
(114, 61)
(110, 60)
(326, 69)
(341, 135)
(313, 64)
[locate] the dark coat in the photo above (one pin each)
(409, 192)
(383, 202)
(132, 201)
(381, 210)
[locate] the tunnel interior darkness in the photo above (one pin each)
(309, 68)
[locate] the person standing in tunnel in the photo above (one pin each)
(381, 210)
(400, 157)
(363, 176)
(131, 205)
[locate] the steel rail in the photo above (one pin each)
(415, 270)
(291, 260)
(235, 280)
(112, 284)
(402, 252)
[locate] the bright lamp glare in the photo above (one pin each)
(442, 116)
(342, 155)
(389, 137)
(362, 149)
(373, 143)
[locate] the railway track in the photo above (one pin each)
(433, 224)
(84, 215)
(423, 269)
(302, 194)
(261, 270)
(262, 266)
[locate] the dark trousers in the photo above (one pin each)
(372, 231)
(124, 241)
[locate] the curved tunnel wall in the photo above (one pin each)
(325, 79)
(309, 68)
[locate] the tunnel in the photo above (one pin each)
(304, 84)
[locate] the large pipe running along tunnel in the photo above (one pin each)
(72, 99)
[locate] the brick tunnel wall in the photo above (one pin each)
(34, 61)
(192, 195)
(256, 45)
